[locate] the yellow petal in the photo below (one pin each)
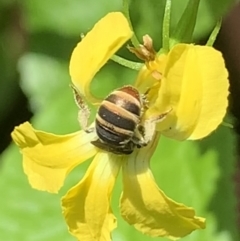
(195, 85)
(215, 91)
(86, 207)
(48, 158)
(146, 207)
(96, 48)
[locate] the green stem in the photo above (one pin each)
(134, 39)
(127, 63)
(214, 33)
(166, 26)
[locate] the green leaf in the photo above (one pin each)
(223, 202)
(69, 18)
(42, 78)
(184, 30)
(209, 13)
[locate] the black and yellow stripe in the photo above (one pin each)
(117, 118)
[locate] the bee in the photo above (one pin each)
(118, 123)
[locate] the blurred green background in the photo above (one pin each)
(36, 41)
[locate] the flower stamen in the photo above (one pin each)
(144, 51)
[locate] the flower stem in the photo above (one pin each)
(214, 33)
(127, 63)
(134, 39)
(166, 26)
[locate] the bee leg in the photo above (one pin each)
(149, 126)
(145, 102)
(83, 116)
(138, 138)
(84, 111)
(124, 142)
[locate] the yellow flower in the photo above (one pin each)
(192, 82)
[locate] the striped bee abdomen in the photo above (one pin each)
(119, 99)
(117, 118)
(111, 135)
